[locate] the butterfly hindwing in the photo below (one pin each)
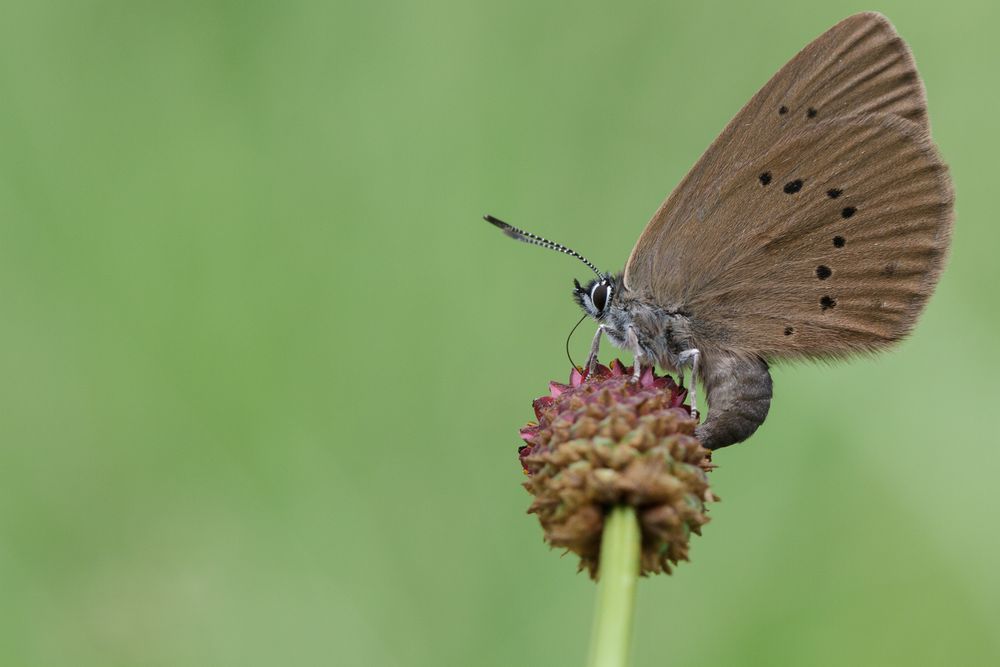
(838, 253)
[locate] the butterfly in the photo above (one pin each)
(816, 225)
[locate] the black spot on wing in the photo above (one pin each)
(791, 187)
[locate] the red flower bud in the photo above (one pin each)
(607, 440)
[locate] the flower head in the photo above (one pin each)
(605, 440)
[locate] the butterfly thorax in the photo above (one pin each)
(662, 334)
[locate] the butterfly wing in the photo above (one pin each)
(822, 210)
(838, 253)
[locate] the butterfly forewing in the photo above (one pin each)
(817, 222)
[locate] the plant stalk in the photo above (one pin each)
(617, 577)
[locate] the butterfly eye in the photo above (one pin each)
(600, 295)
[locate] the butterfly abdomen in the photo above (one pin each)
(739, 392)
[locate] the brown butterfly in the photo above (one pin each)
(815, 226)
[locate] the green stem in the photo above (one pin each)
(619, 572)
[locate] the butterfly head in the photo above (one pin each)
(595, 297)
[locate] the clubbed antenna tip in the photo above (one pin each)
(528, 237)
(503, 226)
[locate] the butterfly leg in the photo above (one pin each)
(693, 355)
(632, 341)
(595, 347)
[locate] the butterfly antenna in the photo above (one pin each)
(528, 237)
(571, 332)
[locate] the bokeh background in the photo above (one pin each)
(262, 366)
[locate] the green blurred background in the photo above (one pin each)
(263, 366)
